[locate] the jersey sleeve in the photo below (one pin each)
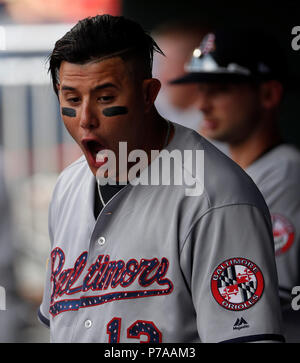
(229, 264)
(285, 211)
(43, 313)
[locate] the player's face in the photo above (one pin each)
(101, 105)
(230, 111)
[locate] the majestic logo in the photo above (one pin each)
(240, 324)
(283, 232)
(103, 275)
(237, 284)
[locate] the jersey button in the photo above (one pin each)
(88, 324)
(101, 241)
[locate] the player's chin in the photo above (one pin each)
(95, 164)
(210, 134)
(90, 153)
(217, 133)
(90, 162)
(92, 168)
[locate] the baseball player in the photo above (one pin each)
(178, 39)
(137, 262)
(241, 77)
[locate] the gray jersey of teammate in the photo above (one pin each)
(277, 175)
(158, 265)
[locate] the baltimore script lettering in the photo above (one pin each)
(104, 274)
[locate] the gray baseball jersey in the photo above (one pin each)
(158, 265)
(277, 175)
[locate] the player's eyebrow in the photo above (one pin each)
(96, 88)
(68, 88)
(104, 85)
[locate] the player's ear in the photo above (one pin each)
(151, 87)
(271, 93)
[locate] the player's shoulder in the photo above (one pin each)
(225, 182)
(283, 155)
(73, 170)
(287, 157)
(76, 165)
(280, 164)
(72, 175)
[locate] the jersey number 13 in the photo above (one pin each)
(135, 331)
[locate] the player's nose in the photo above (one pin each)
(88, 116)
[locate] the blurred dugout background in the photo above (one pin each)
(35, 144)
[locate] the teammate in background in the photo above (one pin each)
(241, 78)
(148, 263)
(178, 39)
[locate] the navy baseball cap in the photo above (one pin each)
(235, 56)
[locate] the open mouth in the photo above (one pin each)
(92, 148)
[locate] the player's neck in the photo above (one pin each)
(249, 150)
(156, 132)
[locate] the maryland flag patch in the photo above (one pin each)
(237, 284)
